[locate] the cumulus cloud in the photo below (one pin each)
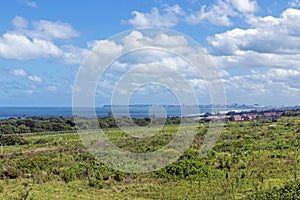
(37, 39)
(154, 57)
(135, 40)
(35, 79)
(105, 47)
(216, 14)
(20, 47)
(52, 30)
(19, 22)
(154, 18)
(222, 12)
(294, 3)
(74, 55)
(270, 47)
(271, 84)
(219, 13)
(23, 73)
(152, 52)
(170, 41)
(18, 72)
(44, 29)
(269, 42)
(245, 6)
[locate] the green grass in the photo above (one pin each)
(250, 160)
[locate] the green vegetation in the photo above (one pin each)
(251, 160)
(36, 124)
(290, 190)
(58, 124)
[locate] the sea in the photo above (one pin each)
(103, 111)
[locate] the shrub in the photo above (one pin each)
(94, 182)
(9, 140)
(10, 170)
(68, 175)
(290, 190)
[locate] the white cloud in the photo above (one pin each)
(294, 3)
(135, 40)
(18, 72)
(106, 84)
(270, 48)
(199, 85)
(19, 22)
(168, 18)
(270, 42)
(32, 4)
(219, 13)
(156, 58)
(44, 29)
(105, 47)
(271, 84)
(35, 78)
(159, 49)
(37, 39)
(244, 6)
(222, 12)
(74, 55)
(170, 41)
(216, 14)
(52, 30)
(20, 47)
(22, 72)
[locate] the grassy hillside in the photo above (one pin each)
(252, 160)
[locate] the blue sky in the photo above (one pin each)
(255, 45)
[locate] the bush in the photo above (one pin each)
(96, 183)
(290, 190)
(187, 167)
(10, 170)
(9, 140)
(68, 175)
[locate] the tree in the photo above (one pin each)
(24, 129)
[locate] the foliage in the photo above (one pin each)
(35, 124)
(58, 124)
(8, 140)
(250, 160)
(290, 190)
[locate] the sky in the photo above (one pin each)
(254, 44)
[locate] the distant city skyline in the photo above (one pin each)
(254, 43)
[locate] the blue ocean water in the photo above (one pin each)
(134, 111)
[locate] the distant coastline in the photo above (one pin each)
(136, 111)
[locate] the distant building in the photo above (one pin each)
(252, 116)
(271, 115)
(238, 118)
